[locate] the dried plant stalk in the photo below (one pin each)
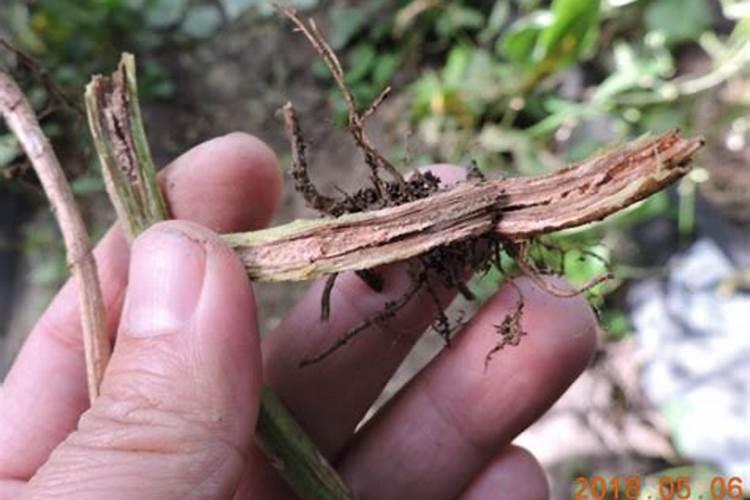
(114, 116)
(516, 209)
(120, 140)
(22, 121)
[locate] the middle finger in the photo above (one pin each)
(331, 396)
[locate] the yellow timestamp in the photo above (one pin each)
(668, 488)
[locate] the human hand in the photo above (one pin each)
(179, 400)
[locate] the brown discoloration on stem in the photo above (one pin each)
(129, 175)
(23, 123)
(515, 209)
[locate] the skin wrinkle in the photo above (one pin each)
(142, 429)
(148, 392)
(142, 413)
(150, 395)
(452, 420)
(183, 444)
(60, 336)
(164, 343)
(84, 456)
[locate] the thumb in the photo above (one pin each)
(179, 400)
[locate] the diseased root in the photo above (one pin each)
(446, 266)
(356, 119)
(325, 298)
(509, 330)
(302, 182)
(386, 194)
(389, 311)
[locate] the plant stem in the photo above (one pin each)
(516, 209)
(129, 173)
(116, 125)
(293, 455)
(22, 121)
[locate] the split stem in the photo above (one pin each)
(120, 140)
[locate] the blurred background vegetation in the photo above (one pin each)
(520, 87)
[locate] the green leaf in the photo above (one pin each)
(361, 59)
(616, 324)
(659, 119)
(736, 9)
(266, 7)
(583, 266)
(495, 22)
(572, 32)
(678, 20)
(521, 38)
(345, 23)
(385, 67)
(455, 67)
(656, 205)
(457, 18)
(423, 91)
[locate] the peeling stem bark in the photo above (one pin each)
(23, 122)
(515, 209)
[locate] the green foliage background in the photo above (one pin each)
(518, 86)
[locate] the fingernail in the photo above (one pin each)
(166, 277)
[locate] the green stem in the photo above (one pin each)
(116, 125)
(293, 454)
(129, 175)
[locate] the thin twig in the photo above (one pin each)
(49, 83)
(373, 107)
(22, 121)
(357, 120)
